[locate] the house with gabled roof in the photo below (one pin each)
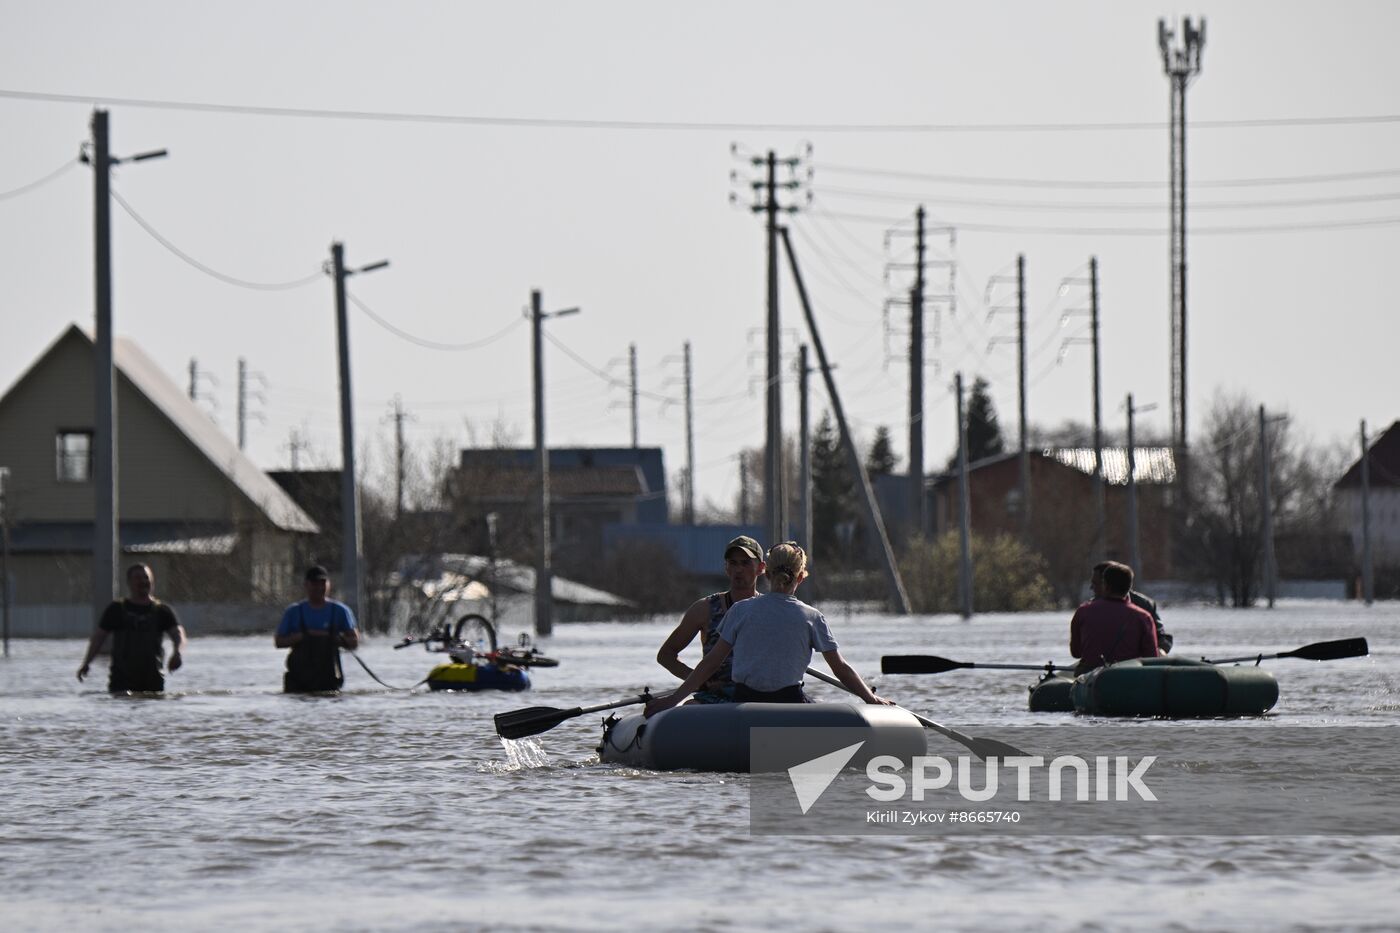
(219, 534)
(1383, 499)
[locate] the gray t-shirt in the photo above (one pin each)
(774, 636)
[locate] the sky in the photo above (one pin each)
(590, 151)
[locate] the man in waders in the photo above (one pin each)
(137, 625)
(743, 565)
(315, 629)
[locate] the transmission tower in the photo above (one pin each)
(1182, 62)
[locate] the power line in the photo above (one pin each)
(993, 181)
(1139, 231)
(383, 116)
(207, 270)
(1125, 207)
(25, 189)
(433, 344)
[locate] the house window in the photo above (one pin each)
(74, 456)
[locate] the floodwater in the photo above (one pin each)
(228, 805)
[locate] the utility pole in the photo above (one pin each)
(775, 498)
(295, 445)
(1021, 393)
(195, 394)
(899, 598)
(5, 556)
(1100, 509)
(399, 416)
(1023, 445)
(1134, 548)
(964, 511)
(1133, 556)
(688, 509)
(1368, 580)
(351, 579)
(1267, 505)
(243, 394)
(1181, 63)
(804, 443)
(743, 489)
(544, 574)
(916, 382)
(106, 546)
(632, 371)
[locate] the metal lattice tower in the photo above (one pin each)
(1181, 62)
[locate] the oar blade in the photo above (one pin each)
(520, 723)
(1331, 650)
(918, 664)
(991, 748)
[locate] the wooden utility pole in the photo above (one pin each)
(1134, 558)
(399, 453)
(773, 497)
(1025, 450)
(352, 585)
(106, 545)
(688, 508)
(1368, 580)
(804, 443)
(632, 373)
(1266, 504)
(544, 572)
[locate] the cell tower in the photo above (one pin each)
(1182, 62)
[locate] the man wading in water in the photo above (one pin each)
(743, 564)
(137, 624)
(315, 629)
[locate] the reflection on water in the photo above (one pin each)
(227, 804)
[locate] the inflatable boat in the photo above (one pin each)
(476, 661)
(456, 675)
(1179, 688)
(715, 737)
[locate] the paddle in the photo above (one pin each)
(519, 723)
(982, 748)
(1317, 651)
(932, 664)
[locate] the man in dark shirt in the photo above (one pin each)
(137, 625)
(1141, 600)
(1110, 628)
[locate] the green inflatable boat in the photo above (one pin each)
(1179, 688)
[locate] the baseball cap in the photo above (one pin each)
(746, 544)
(316, 572)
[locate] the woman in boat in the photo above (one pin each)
(772, 638)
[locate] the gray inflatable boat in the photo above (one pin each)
(715, 737)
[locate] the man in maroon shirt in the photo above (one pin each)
(1111, 628)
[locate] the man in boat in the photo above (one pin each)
(1110, 628)
(138, 624)
(743, 565)
(772, 638)
(1142, 601)
(315, 629)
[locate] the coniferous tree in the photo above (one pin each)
(881, 460)
(983, 430)
(833, 488)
